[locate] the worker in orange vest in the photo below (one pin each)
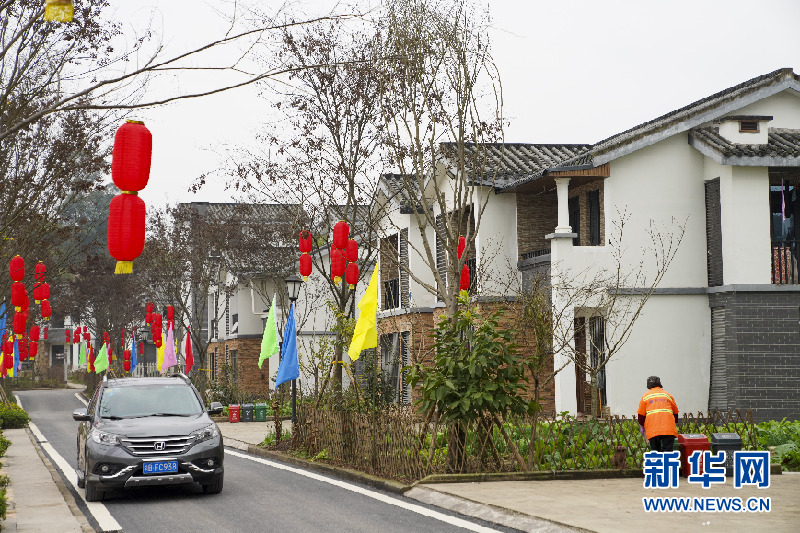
(658, 416)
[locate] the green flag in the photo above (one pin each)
(269, 342)
(82, 354)
(101, 361)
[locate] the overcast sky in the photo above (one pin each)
(573, 71)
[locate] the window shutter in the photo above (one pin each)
(594, 218)
(713, 233)
(441, 260)
(404, 267)
(405, 338)
(574, 209)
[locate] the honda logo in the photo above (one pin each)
(159, 445)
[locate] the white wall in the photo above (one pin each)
(496, 245)
(784, 107)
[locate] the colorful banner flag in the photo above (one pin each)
(160, 353)
(133, 350)
(82, 353)
(269, 341)
(289, 367)
(189, 356)
(101, 361)
(365, 335)
(170, 359)
(15, 368)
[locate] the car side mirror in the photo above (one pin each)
(215, 409)
(81, 415)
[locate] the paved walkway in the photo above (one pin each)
(36, 502)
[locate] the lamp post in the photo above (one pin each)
(293, 284)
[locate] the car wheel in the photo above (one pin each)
(213, 488)
(82, 480)
(94, 495)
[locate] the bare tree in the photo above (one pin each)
(609, 300)
(441, 106)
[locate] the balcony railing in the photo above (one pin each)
(784, 262)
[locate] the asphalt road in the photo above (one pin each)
(256, 497)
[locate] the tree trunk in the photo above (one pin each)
(595, 395)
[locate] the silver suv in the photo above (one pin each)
(138, 432)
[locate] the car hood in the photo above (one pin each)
(155, 426)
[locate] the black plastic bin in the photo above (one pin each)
(247, 412)
(727, 442)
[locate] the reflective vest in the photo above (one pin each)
(658, 407)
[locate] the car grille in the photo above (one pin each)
(153, 445)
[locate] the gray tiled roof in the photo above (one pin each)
(781, 143)
(680, 120)
(511, 162)
(396, 187)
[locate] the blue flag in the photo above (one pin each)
(17, 363)
(133, 351)
(289, 367)
(2, 318)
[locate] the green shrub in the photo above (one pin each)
(13, 416)
(4, 444)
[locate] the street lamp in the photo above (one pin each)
(293, 284)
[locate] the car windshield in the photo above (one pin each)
(149, 400)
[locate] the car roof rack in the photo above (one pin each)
(181, 375)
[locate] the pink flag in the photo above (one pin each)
(188, 352)
(169, 351)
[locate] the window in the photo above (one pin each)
(594, 218)
(597, 351)
(748, 126)
(574, 209)
(391, 294)
(235, 325)
(394, 356)
(234, 366)
(214, 364)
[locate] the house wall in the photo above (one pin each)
(496, 246)
(783, 107)
(537, 215)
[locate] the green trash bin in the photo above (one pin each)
(261, 412)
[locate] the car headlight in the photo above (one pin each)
(206, 433)
(101, 437)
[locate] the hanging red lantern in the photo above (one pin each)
(19, 325)
(126, 355)
(39, 271)
(90, 350)
(68, 336)
(126, 218)
(170, 316)
(352, 274)
(351, 252)
(337, 264)
(22, 346)
(341, 232)
(462, 243)
(305, 266)
(158, 320)
(127, 365)
(45, 309)
(33, 349)
(305, 241)
(148, 318)
(44, 290)
(130, 159)
(17, 268)
(465, 280)
(8, 360)
(46, 332)
(141, 348)
(17, 295)
(33, 334)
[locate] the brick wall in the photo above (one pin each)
(583, 193)
(537, 215)
(250, 377)
(762, 352)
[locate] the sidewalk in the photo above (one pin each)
(35, 502)
(601, 505)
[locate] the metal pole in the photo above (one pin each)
(294, 402)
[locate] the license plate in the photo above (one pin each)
(160, 467)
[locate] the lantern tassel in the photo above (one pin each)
(305, 278)
(351, 286)
(124, 267)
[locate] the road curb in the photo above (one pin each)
(335, 471)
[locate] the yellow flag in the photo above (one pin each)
(160, 353)
(365, 335)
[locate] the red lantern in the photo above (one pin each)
(126, 355)
(39, 272)
(17, 268)
(465, 281)
(305, 266)
(91, 358)
(141, 348)
(127, 365)
(130, 159)
(17, 295)
(44, 288)
(158, 320)
(33, 349)
(126, 217)
(19, 325)
(341, 232)
(46, 332)
(352, 274)
(45, 309)
(8, 360)
(337, 264)
(68, 337)
(22, 346)
(170, 315)
(305, 241)
(351, 252)
(462, 243)
(33, 334)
